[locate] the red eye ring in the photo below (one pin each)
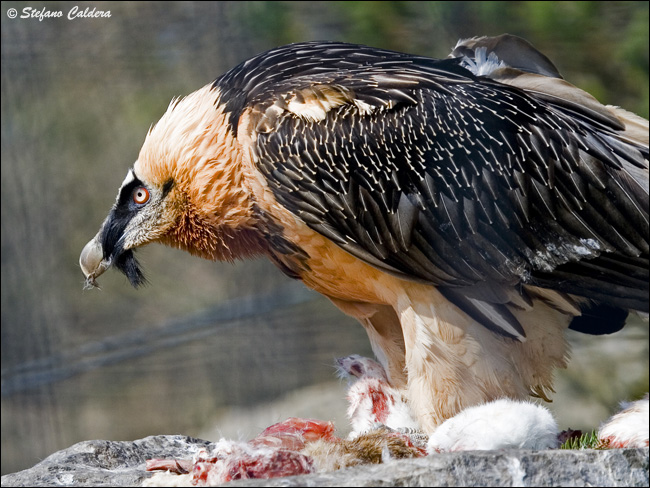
(141, 195)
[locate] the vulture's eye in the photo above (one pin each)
(141, 195)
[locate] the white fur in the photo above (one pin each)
(165, 478)
(363, 401)
(629, 427)
(366, 393)
(356, 366)
(501, 424)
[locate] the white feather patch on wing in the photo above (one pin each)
(483, 64)
(313, 103)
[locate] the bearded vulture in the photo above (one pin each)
(467, 211)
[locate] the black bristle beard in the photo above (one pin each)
(128, 264)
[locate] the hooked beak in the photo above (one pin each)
(92, 262)
(95, 259)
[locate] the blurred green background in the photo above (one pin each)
(210, 349)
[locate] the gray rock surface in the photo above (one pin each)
(108, 463)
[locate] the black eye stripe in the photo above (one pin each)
(127, 191)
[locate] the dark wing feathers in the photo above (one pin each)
(477, 187)
(514, 51)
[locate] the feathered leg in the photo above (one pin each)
(385, 333)
(453, 362)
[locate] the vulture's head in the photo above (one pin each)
(184, 190)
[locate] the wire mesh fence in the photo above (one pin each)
(78, 96)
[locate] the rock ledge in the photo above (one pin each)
(109, 463)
